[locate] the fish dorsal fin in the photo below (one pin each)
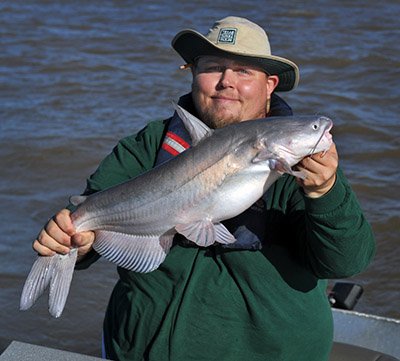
(205, 233)
(77, 200)
(136, 253)
(196, 128)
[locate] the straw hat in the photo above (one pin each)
(240, 37)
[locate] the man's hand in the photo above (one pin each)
(58, 236)
(321, 172)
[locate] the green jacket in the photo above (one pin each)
(217, 304)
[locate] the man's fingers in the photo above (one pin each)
(53, 232)
(56, 235)
(46, 244)
(42, 250)
(59, 236)
(63, 221)
(321, 172)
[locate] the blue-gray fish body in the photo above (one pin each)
(223, 174)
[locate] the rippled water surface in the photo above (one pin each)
(77, 76)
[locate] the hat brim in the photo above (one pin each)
(190, 44)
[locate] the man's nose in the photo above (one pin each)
(227, 78)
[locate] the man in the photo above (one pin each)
(264, 298)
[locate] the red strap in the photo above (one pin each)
(174, 144)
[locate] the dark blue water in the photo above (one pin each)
(77, 76)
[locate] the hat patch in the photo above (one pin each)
(227, 36)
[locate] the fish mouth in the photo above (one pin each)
(326, 135)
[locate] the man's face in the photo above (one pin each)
(226, 90)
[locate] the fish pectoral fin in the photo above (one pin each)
(274, 161)
(264, 151)
(205, 233)
(55, 270)
(136, 253)
(300, 174)
(280, 165)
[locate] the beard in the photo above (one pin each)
(213, 120)
(216, 116)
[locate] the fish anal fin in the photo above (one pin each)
(136, 253)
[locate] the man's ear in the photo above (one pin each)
(272, 83)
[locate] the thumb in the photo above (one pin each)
(84, 242)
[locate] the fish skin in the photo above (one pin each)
(135, 222)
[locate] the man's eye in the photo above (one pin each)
(243, 71)
(215, 68)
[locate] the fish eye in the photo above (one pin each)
(315, 126)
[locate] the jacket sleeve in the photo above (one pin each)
(332, 235)
(132, 156)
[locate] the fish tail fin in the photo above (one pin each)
(55, 271)
(61, 282)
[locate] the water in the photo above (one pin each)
(77, 76)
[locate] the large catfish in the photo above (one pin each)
(224, 172)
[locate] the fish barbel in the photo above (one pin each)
(224, 172)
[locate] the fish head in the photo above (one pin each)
(298, 137)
